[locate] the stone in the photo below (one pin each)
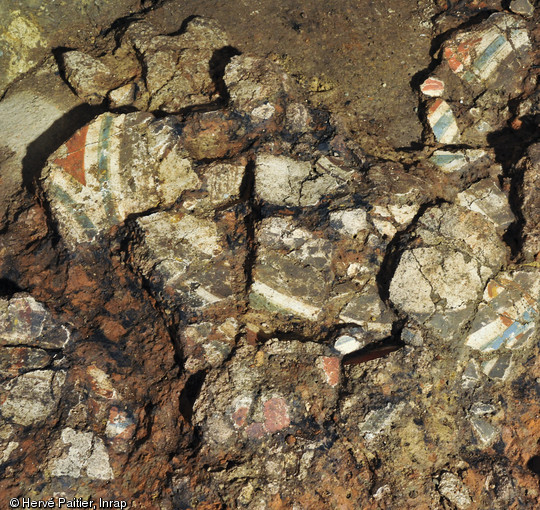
(377, 421)
(412, 336)
(26, 322)
(395, 197)
(123, 96)
(89, 77)
(498, 367)
(471, 377)
(462, 250)
(257, 87)
(437, 276)
(486, 432)
(178, 67)
(31, 398)
(283, 181)
(530, 202)
(524, 7)
(454, 490)
(481, 409)
(486, 198)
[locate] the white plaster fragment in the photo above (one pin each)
(86, 456)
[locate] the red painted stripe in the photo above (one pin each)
(73, 162)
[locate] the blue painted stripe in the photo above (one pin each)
(518, 327)
(446, 159)
(443, 124)
(482, 61)
(103, 167)
(82, 219)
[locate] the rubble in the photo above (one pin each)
(90, 78)
(212, 295)
(460, 249)
(177, 67)
(453, 489)
(529, 201)
(524, 7)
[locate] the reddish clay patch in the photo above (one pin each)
(276, 415)
(331, 369)
(255, 430)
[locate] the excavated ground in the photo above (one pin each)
(262, 255)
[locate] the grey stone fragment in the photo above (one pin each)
(90, 78)
(455, 491)
(26, 322)
(487, 433)
(178, 73)
(412, 337)
(31, 398)
(481, 409)
(524, 7)
(378, 420)
(499, 367)
(470, 376)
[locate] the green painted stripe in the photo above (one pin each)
(483, 60)
(103, 167)
(82, 219)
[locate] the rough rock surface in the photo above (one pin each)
(212, 296)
